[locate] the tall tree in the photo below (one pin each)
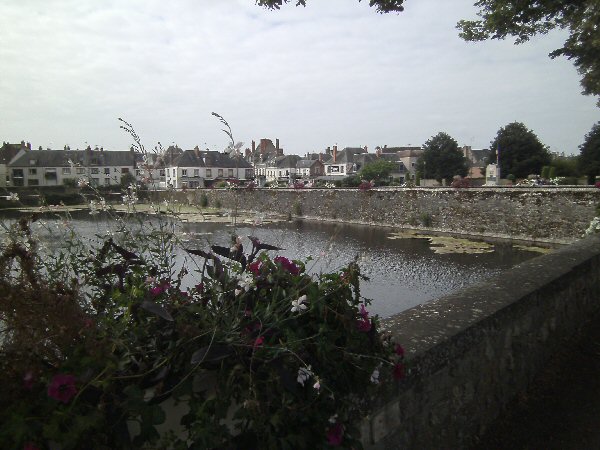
(526, 18)
(383, 6)
(589, 156)
(521, 152)
(442, 159)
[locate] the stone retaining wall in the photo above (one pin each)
(471, 352)
(545, 214)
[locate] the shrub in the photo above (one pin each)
(203, 200)
(261, 354)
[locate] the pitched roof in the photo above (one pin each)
(306, 163)
(204, 158)
(64, 158)
(286, 162)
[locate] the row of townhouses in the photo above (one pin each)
(177, 168)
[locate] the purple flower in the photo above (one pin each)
(62, 388)
(335, 435)
(363, 312)
(287, 265)
(364, 325)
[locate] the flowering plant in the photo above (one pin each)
(97, 345)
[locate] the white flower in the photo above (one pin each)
(13, 197)
(304, 373)
(333, 419)
(317, 384)
(93, 207)
(238, 292)
(298, 305)
(375, 376)
(245, 281)
(82, 182)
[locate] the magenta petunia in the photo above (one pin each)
(255, 267)
(363, 312)
(399, 350)
(287, 265)
(335, 435)
(398, 371)
(62, 388)
(364, 325)
(258, 342)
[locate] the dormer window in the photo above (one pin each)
(32, 162)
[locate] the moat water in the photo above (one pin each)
(402, 272)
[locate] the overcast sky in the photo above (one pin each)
(335, 72)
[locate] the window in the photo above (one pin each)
(162, 172)
(95, 171)
(80, 170)
(124, 169)
(229, 172)
(196, 172)
(184, 172)
(220, 172)
(50, 174)
(107, 171)
(66, 171)
(107, 181)
(17, 173)
(208, 173)
(32, 171)
(248, 173)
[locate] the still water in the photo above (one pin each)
(402, 272)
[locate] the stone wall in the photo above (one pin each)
(545, 214)
(471, 352)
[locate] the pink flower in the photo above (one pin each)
(199, 287)
(363, 312)
(398, 371)
(62, 388)
(335, 435)
(30, 446)
(399, 350)
(364, 325)
(255, 267)
(258, 342)
(287, 265)
(157, 290)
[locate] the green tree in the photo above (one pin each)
(521, 152)
(383, 6)
(442, 159)
(377, 170)
(589, 156)
(524, 19)
(127, 179)
(566, 166)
